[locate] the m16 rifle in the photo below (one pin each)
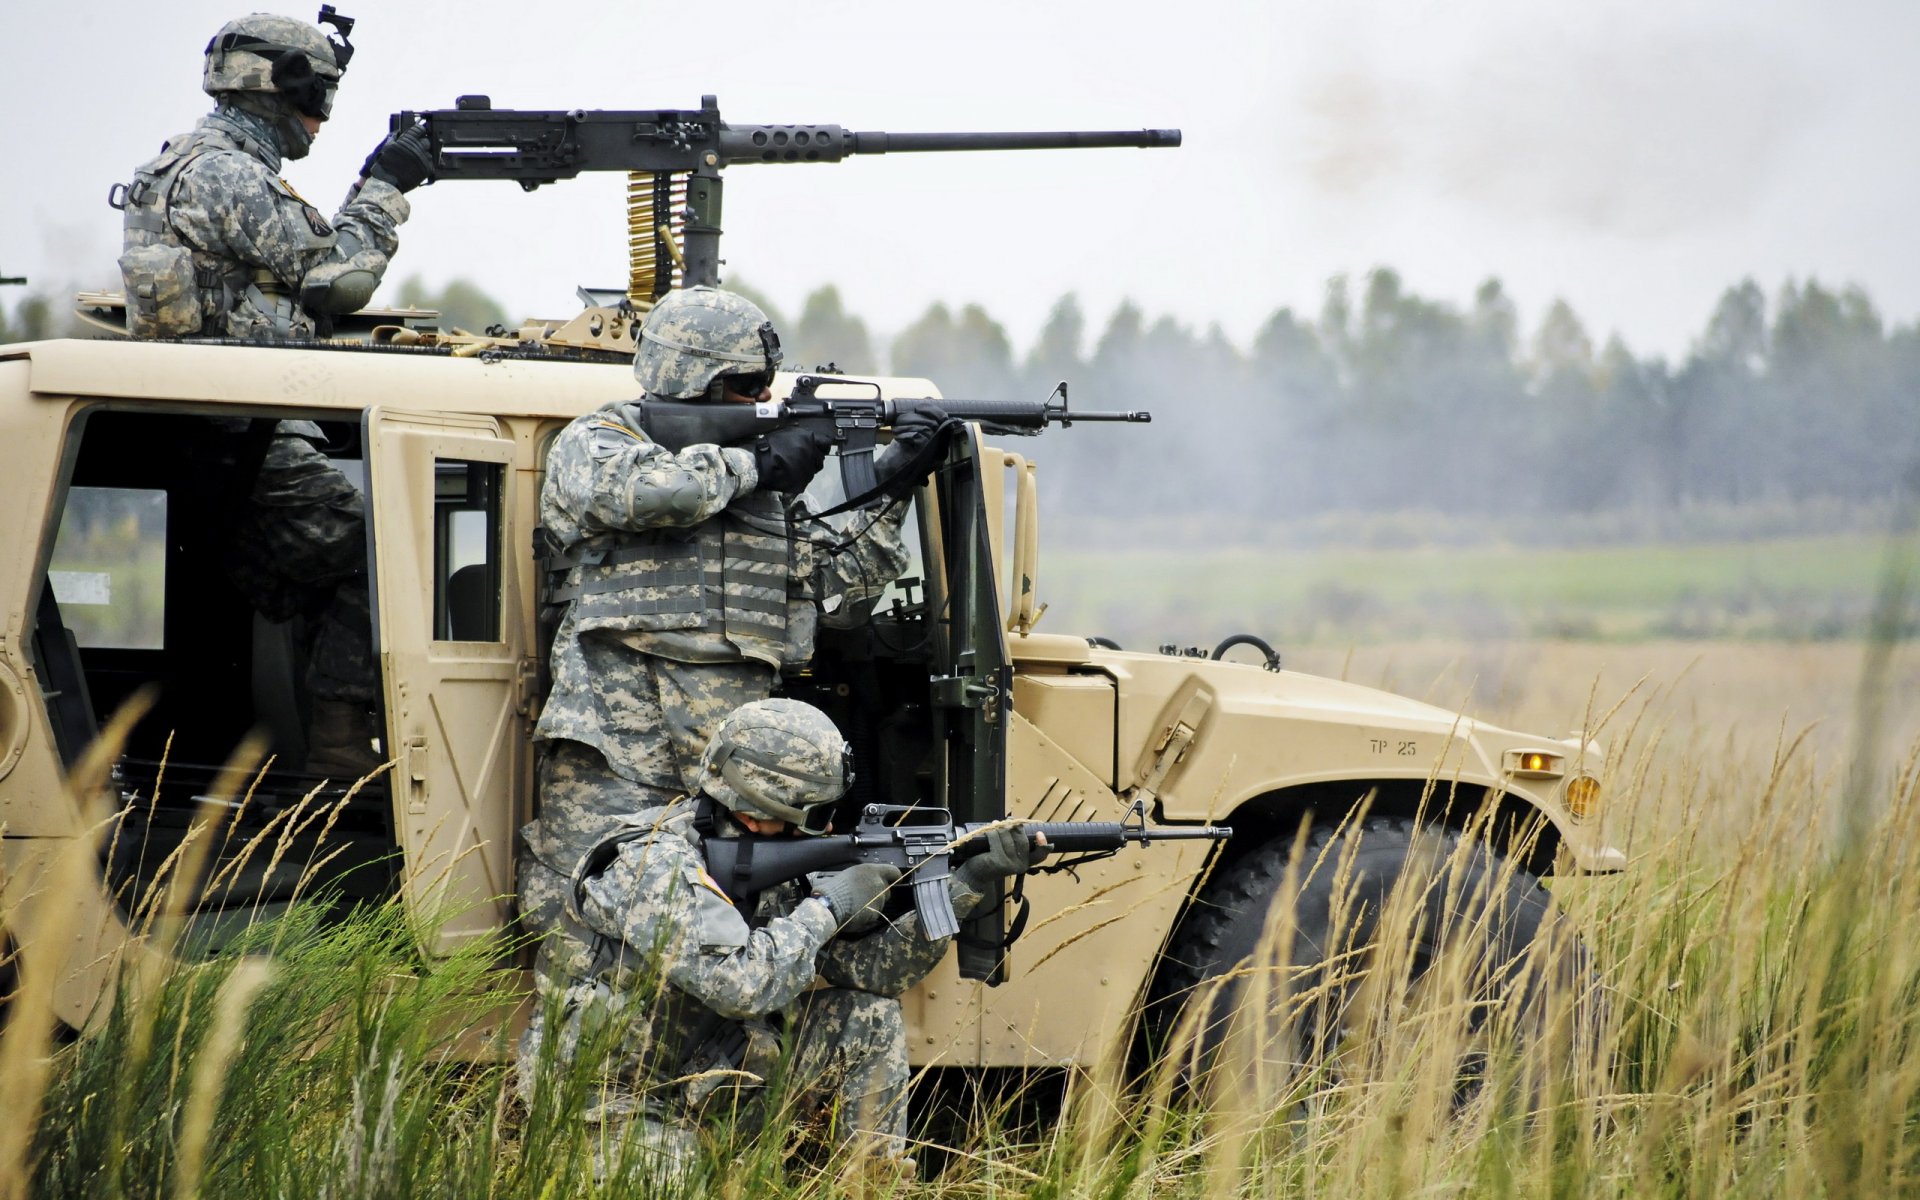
(474, 140)
(850, 423)
(923, 843)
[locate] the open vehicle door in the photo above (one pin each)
(449, 634)
(971, 675)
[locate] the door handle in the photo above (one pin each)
(417, 773)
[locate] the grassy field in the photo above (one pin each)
(1746, 1021)
(1790, 588)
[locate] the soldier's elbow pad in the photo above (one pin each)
(345, 292)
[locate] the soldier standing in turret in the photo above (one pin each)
(218, 245)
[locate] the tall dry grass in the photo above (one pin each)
(1739, 1015)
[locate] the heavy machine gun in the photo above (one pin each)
(675, 154)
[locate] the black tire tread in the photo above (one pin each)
(1250, 883)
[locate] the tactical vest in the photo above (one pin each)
(176, 289)
(720, 590)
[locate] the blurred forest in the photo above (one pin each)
(1386, 401)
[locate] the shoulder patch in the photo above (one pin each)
(315, 221)
(713, 885)
(715, 924)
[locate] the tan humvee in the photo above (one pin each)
(113, 581)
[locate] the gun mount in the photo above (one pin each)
(677, 155)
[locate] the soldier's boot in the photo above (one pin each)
(340, 741)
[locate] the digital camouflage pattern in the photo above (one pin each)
(217, 244)
(775, 759)
(648, 691)
(694, 335)
(686, 997)
(300, 549)
(245, 56)
(582, 798)
(241, 70)
(660, 713)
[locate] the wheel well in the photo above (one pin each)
(1518, 828)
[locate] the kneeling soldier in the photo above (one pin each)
(686, 991)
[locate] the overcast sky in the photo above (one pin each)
(1633, 156)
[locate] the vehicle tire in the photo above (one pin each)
(1219, 996)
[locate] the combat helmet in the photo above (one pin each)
(779, 760)
(695, 335)
(280, 68)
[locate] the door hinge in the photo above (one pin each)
(967, 691)
(526, 687)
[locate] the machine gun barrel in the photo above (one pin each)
(1070, 139)
(474, 140)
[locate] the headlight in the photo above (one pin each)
(1583, 796)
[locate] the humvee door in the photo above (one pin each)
(450, 636)
(971, 680)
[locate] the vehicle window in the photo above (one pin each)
(466, 550)
(109, 567)
(909, 586)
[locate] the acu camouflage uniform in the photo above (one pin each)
(258, 258)
(688, 592)
(689, 994)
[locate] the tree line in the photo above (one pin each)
(1386, 400)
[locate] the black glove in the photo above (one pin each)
(1009, 852)
(911, 431)
(404, 159)
(852, 893)
(789, 458)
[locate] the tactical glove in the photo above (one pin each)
(404, 159)
(1009, 852)
(911, 432)
(853, 894)
(789, 458)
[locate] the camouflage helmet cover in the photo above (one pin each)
(777, 759)
(269, 54)
(695, 335)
